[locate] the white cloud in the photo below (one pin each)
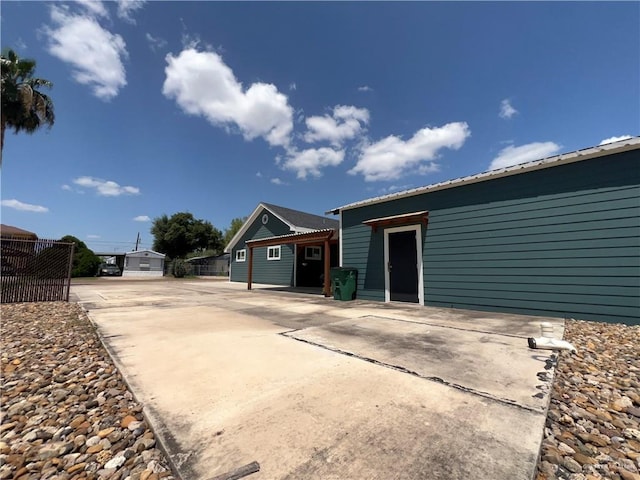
(93, 237)
(310, 161)
(277, 181)
(615, 139)
(345, 123)
(19, 44)
(365, 88)
(24, 207)
(94, 53)
(142, 218)
(94, 7)
(524, 153)
(202, 84)
(392, 158)
(67, 187)
(155, 43)
(106, 188)
(127, 7)
(395, 188)
(259, 174)
(506, 109)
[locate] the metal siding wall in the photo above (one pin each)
(276, 272)
(563, 241)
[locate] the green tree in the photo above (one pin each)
(236, 224)
(181, 234)
(24, 107)
(85, 263)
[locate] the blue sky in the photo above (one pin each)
(211, 107)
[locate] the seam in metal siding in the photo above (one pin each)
(275, 272)
(558, 242)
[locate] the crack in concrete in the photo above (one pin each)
(511, 335)
(400, 368)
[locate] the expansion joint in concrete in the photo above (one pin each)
(399, 368)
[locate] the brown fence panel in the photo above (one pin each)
(35, 270)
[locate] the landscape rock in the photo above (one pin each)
(592, 428)
(63, 401)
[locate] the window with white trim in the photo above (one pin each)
(313, 253)
(273, 253)
(241, 255)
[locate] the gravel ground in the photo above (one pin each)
(67, 413)
(593, 424)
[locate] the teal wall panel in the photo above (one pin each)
(562, 241)
(275, 272)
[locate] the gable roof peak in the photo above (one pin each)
(296, 220)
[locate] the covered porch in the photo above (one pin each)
(308, 244)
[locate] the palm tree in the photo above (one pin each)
(24, 107)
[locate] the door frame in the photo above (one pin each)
(418, 229)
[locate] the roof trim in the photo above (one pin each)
(396, 220)
(298, 238)
(145, 250)
(557, 160)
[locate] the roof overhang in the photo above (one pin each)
(136, 253)
(316, 236)
(397, 220)
(555, 161)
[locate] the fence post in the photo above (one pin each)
(73, 246)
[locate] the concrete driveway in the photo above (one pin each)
(312, 388)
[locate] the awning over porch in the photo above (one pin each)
(397, 220)
(306, 238)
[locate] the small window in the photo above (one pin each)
(241, 255)
(273, 253)
(313, 253)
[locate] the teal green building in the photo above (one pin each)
(557, 237)
(296, 258)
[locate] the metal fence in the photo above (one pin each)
(207, 270)
(199, 270)
(35, 270)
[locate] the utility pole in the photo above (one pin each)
(137, 241)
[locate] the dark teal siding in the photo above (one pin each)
(275, 272)
(562, 241)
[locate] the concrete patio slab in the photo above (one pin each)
(225, 384)
(499, 366)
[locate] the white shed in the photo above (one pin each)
(143, 263)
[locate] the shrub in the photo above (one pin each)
(179, 268)
(85, 262)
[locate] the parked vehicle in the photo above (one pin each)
(109, 270)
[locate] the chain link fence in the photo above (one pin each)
(205, 270)
(35, 270)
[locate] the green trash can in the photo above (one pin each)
(344, 281)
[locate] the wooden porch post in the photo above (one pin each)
(250, 272)
(327, 264)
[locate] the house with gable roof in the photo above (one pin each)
(282, 246)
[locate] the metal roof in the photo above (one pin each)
(292, 237)
(222, 256)
(142, 253)
(557, 160)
